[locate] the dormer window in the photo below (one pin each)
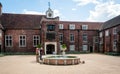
(107, 33)
(114, 30)
(61, 26)
(72, 26)
(84, 27)
(100, 34)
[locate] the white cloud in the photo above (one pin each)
(56, 13)
(25, 11)
(85, 2)
(73, 9)
(104, 11)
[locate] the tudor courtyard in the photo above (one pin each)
(21, 33)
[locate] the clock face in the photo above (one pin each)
(49, 14)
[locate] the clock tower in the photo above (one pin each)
(49, 12)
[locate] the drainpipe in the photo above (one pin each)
(3, 42)
(78, 39)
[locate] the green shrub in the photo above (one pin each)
(112, 53)
(19, 53)
(1, 54)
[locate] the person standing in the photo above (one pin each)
(37, 55)
(41, 49)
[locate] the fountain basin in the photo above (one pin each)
(61, 60)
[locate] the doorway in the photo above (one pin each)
(91, 49)
(50, 49)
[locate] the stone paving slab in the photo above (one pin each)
(94, 64)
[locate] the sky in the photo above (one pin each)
(67, 10)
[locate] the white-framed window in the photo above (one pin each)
(107, 33)
(8, 41)
(36, 40)
(72, 47)
(61, 37)
(72, 26)
(84, 27)
(22, 41)
(85, 47)
(61, 26)
(95, 39)
(100, 34)
(72, 37)
(84, 37)
(114, 45)
(114, 30)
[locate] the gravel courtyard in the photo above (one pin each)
(94, 64)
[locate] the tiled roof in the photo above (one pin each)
(112, 22)
(28, 21)
(21, 21)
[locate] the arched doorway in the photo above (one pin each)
(50, 48)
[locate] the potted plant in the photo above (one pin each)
(64, 47)
(39, 46)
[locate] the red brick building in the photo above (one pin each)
(23, 32)
(110, 35)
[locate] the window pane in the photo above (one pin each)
(50, 36)
(22, 42)
(60, 26)
(84, 47)
(10, 43)
(72, 37)
(72, 47)
(8, 40)
(61, 37)
(84, 27)
(72, 26)
(84, 37)
(36, 40)
(51, 27)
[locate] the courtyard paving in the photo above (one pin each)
(94, 64)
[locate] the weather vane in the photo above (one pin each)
(49, 4)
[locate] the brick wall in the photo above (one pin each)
(29, 40)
